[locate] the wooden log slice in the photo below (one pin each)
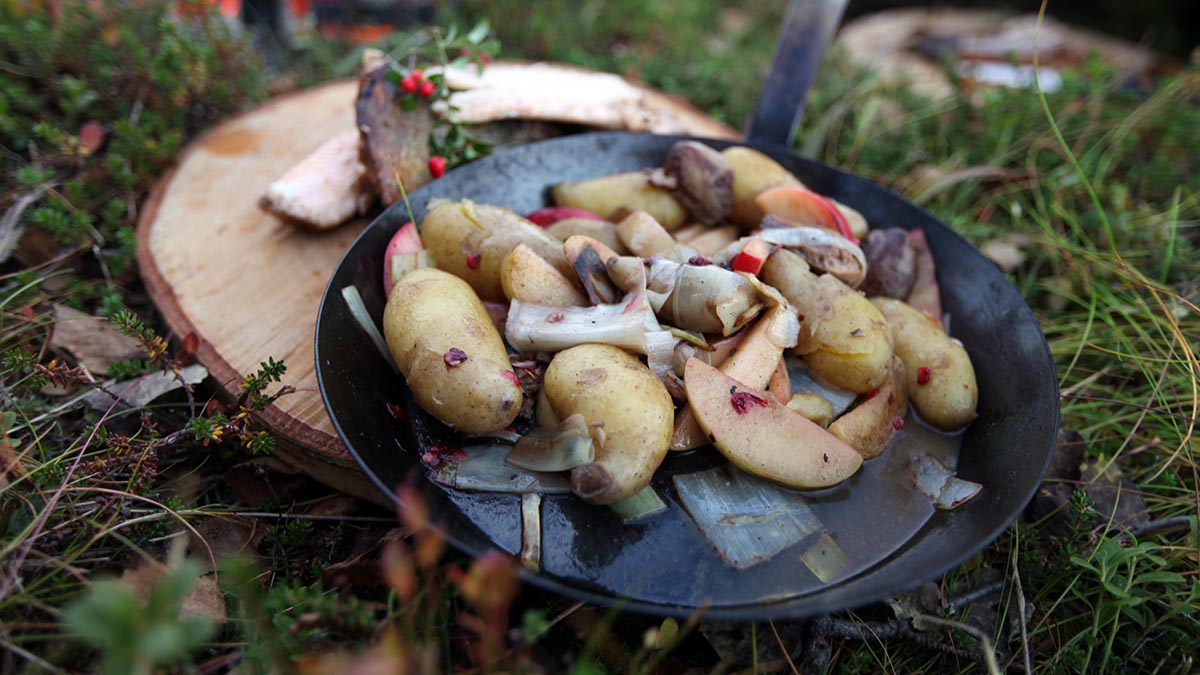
(249, 285)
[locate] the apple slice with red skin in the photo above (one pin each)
(752, 257)
(548, 215)
(763, 437)
(406, 241)
(797, 204)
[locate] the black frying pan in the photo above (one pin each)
(662, 564)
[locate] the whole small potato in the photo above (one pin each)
(753, 172)
(450, 352)
(941, 379)
(631, 191)
(627, 406)
(470, 241)
(843, 338)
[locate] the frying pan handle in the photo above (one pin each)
(807, 30)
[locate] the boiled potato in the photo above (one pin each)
(526, 276)
(815, 407)
(870, 425)
(450, 353)
(622, 191)
(753, 172)
(600, 230)
(470, 241)
(843, 338)
(941, 380)
(628, 408)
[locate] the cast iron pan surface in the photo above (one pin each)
(662, 564)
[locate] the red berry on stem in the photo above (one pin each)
(417, 75)
(408, 84)
(437, 166)
(426, 89)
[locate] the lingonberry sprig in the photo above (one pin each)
(449, 142)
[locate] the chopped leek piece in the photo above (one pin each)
(358, 310)
(747, 520)
(569, 446)
(934, 480)
(531, 531)
(483, 469)
(643, 503)
(825, 559)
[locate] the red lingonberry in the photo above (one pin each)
(743, 401)
(408, 84)
(417, 75)
(923, 374)
(426, 88)
(437, 166)
(454, 358)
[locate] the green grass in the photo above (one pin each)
(1103, 183)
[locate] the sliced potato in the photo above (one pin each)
(764, 437)
(600, 230)
(526, 276)
(644, 236)
(633, 191)
(843, 338)
(714, 241)
(815, 407)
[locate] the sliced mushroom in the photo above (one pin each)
(703, 180)
(891, 264)
(824, 250)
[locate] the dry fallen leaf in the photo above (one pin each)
(92, 340)
(1115, 498)
(220, 537)
(10, 463)
(139, 579)
(205, 600)
(141, 391)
